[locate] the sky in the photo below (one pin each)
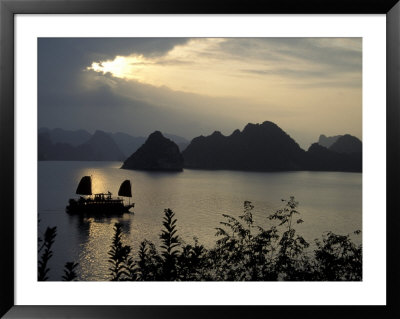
(195, 86)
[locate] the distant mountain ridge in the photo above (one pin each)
(258, 147)
(99, 147)
(347, 144)
(320, 158)
(266, 147)
(59, 144)
(103, 147)
(127, 143)
(327, 141)
(74, 138)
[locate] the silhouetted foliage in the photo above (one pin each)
(338, 258)
(243, 251)
(47, 243)
(121, 263)
(148, 267)
(246, 251)
(170, 242)
(69, 271)
(290, 262)
(192, 262)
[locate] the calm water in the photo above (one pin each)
(328, 202)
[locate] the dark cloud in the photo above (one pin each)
(329, 83)
(95, 49)
(60, 59)
(102, 108)
(100, 97)
(324, 78)
(317, 51)
(61, 62)
(307, 62)
(175, 62)
(68, 100)
(287, 72)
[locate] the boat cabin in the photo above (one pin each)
(102, 203)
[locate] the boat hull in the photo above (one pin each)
(88, 206)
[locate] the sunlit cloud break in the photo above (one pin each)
(240, 67)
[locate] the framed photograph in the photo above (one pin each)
(219, 161)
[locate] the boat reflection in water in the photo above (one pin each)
(99, 203)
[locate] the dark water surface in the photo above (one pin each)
(328, 201)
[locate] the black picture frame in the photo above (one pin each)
(8, 8)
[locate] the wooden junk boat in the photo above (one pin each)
(100, 203)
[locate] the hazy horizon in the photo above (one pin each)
(169, 133)
(192, 87)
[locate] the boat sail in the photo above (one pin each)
(85, 186)
(125, 189)
(101, 203)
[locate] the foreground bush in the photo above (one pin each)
(45, 248)
(246, 251)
